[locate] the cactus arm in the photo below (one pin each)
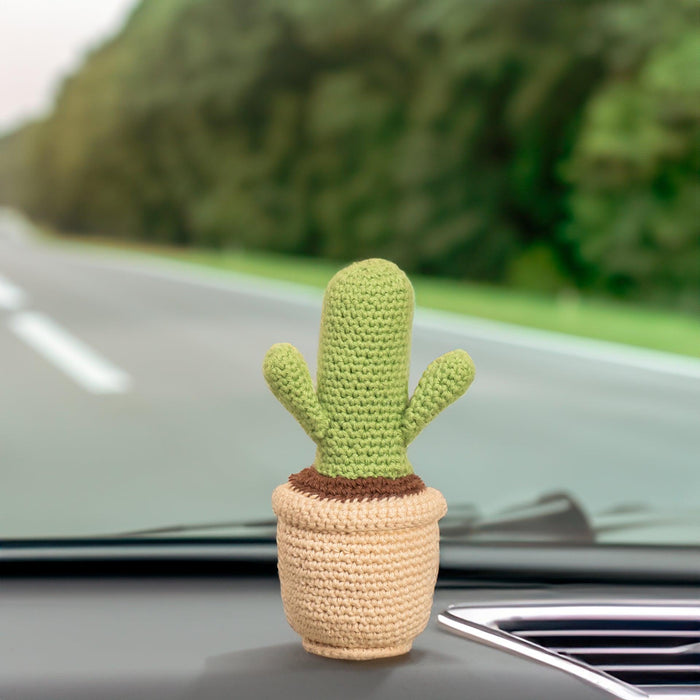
(287, 375)
(442, 383)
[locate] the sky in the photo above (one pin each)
(42, 41)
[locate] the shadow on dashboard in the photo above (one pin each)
(287, 671)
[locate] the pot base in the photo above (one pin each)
(355, 654)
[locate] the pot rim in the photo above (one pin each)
(313, 512)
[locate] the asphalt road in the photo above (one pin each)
(131, 396)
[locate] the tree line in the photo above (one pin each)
(530, 143)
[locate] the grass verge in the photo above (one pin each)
(604, 320)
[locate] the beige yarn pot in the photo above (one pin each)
(357, 577)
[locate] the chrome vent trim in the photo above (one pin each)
(612, 648)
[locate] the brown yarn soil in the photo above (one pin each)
(340, 488)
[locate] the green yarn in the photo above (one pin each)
(360, 416)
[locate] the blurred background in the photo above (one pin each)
(526, 161)
(528, 143)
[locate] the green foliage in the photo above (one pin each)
(360, 416)
(489, 139)
(635, 206)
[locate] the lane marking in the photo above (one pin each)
(587, 349)
(11, 297)
(503, 333)
(77, 360)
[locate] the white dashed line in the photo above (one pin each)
(11, 297)
(587, 349)
(77, 360)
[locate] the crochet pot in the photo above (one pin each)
(357, 576)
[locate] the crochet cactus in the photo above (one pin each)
(359, 415)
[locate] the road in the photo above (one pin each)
(131, 396)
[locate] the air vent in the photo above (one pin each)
(641, 652)
(632, 651)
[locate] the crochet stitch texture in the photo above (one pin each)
(360, 415)
(357, 577)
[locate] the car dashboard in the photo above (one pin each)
(129, 631)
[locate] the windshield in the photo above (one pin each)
(177, 194)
